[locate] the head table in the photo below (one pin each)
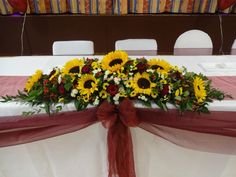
(84, 153)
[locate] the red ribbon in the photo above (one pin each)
(118, 119)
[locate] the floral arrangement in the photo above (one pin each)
(115, 77)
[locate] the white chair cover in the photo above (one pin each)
(193, 42)
(137, 46)
(233, 49)
(73, 48)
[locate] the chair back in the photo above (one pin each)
(73, 48)
(233, 49)
(193, 42)
(137, 46)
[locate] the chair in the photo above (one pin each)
(233, 49)
(73, 48)
(193, 42)
(137, 46)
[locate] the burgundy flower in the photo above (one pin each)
(61, 89)
(53, 96)
(130, 62)
(141, 67)
(177, 76)
(165, 89)
(153, 77)
(112, 89)
(45, 90)
(85, 69)
(45, 81)
(98, 74)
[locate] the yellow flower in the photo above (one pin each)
(95, 65)
(114, 61)
(54, 73)
(199, 89)
(61, 100)
(133, 94)
(179, 91)
(128, 83)
(122, 94)
(153, 94)
(142, 84)
(87, 84)
(86, 98)
(161, 66)
(103, 94)
(32, 80)
(104, 86)
(73, 67)
(122, 75)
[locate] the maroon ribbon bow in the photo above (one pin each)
(118, 119)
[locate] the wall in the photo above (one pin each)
(42, 30)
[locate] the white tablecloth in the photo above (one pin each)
(83, 153)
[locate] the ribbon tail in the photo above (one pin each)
(120, 151)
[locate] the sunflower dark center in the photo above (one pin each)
(115, 62)
(157, 67)
(143, 83)
(88, 84)
(75, 69)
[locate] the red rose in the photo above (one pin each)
(85, 69)
(165, 90)
(141, 67)
(112, 89)
(61, 89)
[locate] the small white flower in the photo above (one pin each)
(74, 92)
(131, 74)
(169, 89)
(117, 80)
(111, 78)
(142, 97)
(150, 70)
(116, 97)
(94, 71)
(59, 79)
(163, 76)
(96, 101)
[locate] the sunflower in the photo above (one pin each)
(142, 84)
(32, 80)
(87, 84)
(161, 66)
(114, 61)
(73, 67)
(199, 89)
